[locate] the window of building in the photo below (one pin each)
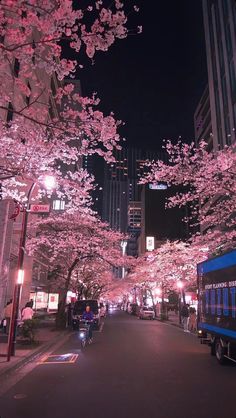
(235, 116)
(232, 79)
(58, 204)
(225, 8)
(227, 128)
(218, 118)
(228, 40)
(224, 91)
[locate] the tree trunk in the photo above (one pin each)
(153, 303)
(164, 312)
(61, 317)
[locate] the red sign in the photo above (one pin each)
(39, 208)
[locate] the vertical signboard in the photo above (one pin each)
(150, 243)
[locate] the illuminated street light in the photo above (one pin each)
(123, 245)
(49, 183)
(158, 291)
(20, 277)
(180, 284)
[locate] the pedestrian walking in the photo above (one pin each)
(185, 316)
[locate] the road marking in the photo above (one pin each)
(13, 378)
(20, 396)
(59, 359)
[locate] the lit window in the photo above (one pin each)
(58, 204)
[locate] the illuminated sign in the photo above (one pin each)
(150, 243)
(160, 186)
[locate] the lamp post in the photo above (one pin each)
(123, 246)
(49, 182)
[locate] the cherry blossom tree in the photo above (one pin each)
(164, 267)
(43, 118)
(76, 243)
(208, 186)
(92, 279)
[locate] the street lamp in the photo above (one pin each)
(20, 277)
(123, 246)
(49, 183)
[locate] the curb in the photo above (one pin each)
(181, 327)
(31, 356)
(174, 324)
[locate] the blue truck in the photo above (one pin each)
(217, 305)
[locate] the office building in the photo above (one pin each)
(134, 227)
(10, 224)
(202, 120)
(159, 223)
(121, 185)
(220, 36)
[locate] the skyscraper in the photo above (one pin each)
(220, 35)
(121, 185)
(202, 120)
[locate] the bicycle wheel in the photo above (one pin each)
(83, 343)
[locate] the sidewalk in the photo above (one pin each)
(174, 319)
(45, 337)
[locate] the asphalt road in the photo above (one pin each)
(133, 369)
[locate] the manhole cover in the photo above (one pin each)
(20, 396)
(59, 358)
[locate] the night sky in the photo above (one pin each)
(153, 81)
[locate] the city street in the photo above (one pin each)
(133, 369)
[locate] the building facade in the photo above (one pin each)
(202, 120)
(158, 222)
(220, 36)
(134, 227)
(121, 186)
(10, 229)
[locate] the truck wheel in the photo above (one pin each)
(220, 351)
(213, 348)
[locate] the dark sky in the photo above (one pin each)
(153, 81)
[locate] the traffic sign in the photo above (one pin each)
(39, 208)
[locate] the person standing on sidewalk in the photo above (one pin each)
(7, 316)
(192, 320)
(185, 316)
